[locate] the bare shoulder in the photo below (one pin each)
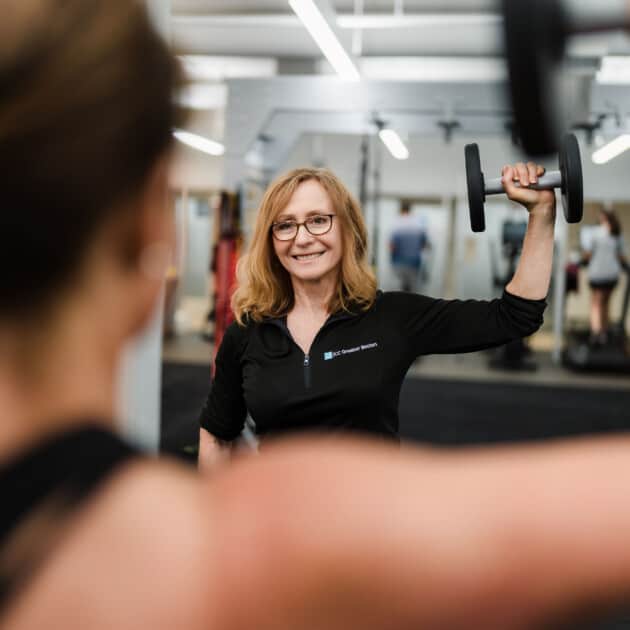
(135, 556)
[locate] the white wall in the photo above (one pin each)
(193, 170)
(196, 171)
(196, 219)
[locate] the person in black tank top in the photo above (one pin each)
(41, 489)
(312, 533)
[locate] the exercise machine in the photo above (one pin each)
(613, 356)
(536, 34)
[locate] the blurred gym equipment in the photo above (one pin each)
(612, 356)
(536, 34)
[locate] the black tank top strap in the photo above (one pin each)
(41, 488)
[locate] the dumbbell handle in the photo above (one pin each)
(548, 181)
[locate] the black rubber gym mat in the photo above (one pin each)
(184, 391)
(447, 412)
(464, 412)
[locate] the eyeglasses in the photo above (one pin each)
(317, 225)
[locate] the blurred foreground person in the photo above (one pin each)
(311, 535)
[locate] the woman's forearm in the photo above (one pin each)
(354, 536)
(212, 452)
(533, 273)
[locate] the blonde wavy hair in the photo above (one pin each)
(264, 286)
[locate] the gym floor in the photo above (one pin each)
(454, 400)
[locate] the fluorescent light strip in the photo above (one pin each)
(386, 21)
(203, 96)
(221, 67)
(435, 69)
(325, 38)
(614, 70)
(393, 142)
(612, 149)
(199, 142)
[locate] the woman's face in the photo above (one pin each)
(308, 257)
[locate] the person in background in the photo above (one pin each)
(407, 244)
(605, 258)
(96, 535)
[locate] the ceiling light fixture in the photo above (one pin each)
(203, 96)
(199, 142)
(394, 144)
(325, 38)
(214, 68)
(611, 150)
(409, 21)
(614, 70)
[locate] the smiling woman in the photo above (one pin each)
(267, 275)
(306, 295)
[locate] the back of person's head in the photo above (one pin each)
(264, 287)
(611, 218)
(86, 110)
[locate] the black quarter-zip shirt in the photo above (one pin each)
(352, 375)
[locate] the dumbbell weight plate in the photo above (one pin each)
(476, 188)
(571, 170)
(534, 33)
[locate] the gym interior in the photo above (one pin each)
(436, 74)
(416, 106)
(266, 100)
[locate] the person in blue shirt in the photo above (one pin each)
(407, 244)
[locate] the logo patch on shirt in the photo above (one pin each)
(360, 348)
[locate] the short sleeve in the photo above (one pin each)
(224, 412)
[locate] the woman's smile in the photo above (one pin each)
(307, 257)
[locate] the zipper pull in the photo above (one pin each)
(307, 372)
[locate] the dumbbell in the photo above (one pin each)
(568, 178)
(536, 33)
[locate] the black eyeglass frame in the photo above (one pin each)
(303, 223)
